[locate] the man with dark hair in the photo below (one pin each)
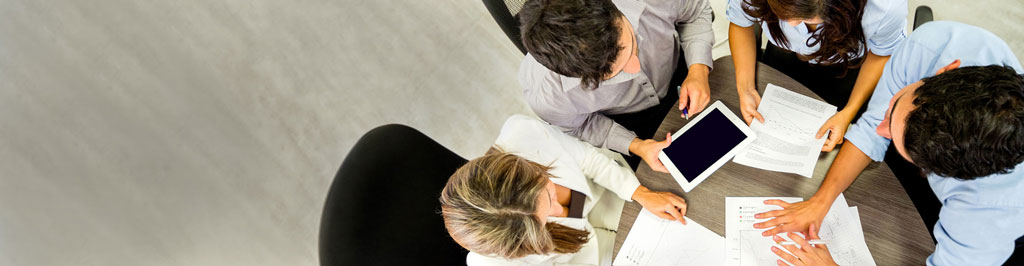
(602, 70)
(957, 128)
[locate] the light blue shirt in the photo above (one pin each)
(980, 219)
(884, 23)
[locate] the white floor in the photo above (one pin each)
(207, 132)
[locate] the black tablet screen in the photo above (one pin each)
(703, 144)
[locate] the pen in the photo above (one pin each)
(812, 242)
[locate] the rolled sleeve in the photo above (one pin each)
(863, 134)
(901, 70)
(619, 137)
(965, 238)
(737, 15)
(889, 29)
(695, 34)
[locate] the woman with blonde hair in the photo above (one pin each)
(540, 197)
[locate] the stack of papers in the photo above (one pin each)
(786, 140)
(656, 241)
(841, 230)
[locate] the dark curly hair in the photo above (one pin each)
(969, 122)
(841, 39)
(574, 38)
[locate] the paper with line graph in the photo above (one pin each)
(785, 141)
(660, 242)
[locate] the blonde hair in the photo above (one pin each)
(489, 207)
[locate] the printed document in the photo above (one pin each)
(785, 141)
(656, 241)
(841, 230)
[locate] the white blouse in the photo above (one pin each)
(578, 166)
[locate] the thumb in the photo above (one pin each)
(683, 99)
(759, 117)
(668, 141)
(812, 233)
(821, 131)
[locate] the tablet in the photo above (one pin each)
(705, 144)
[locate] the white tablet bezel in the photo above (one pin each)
(736, 121)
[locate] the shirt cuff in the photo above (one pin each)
(619, 139)
(698, 53)
(626, 190)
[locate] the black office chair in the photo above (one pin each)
(921, 15)
(505, 13)
(383, 208)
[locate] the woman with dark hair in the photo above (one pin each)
(837, 48)
(541, 197)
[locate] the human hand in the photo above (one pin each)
(749, 99)
(806, 254)
(648, 150)
(793, 217)
(663, 204)
(838, 124)
(695, 93)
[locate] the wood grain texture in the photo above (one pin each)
(893, 229)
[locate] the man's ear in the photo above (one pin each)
(950, 66)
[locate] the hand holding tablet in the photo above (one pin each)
(704, 145)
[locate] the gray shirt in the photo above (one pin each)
(662, 28)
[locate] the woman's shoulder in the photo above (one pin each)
(521, 130)
(880, 11)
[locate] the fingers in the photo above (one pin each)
(671, 210)
(679, 204)
(812, 233)
(776, 202)
(785, 256)
(662, 214)
(684, 98)
(747, 116)
(768, 223)
(830, 143)
(759, 117)
(822, 130)
(774, 231)
(769, 214)
(799, 241)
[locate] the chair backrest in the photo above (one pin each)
(506, 12)
(383, 208)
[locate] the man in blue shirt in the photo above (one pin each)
(950, 101)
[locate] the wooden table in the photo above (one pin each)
(893, 229)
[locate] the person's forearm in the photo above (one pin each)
(867, 79)
(849, 163)
(744, 55)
